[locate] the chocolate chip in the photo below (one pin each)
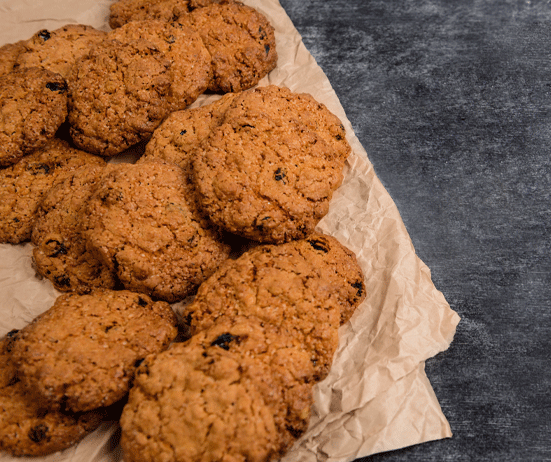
(224, 340)
(57, 86)
(38, 433)
(319, 245)
(44, 34)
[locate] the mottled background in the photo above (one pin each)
(452, 101)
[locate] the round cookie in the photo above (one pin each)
(81, 354)
(60, 253)
(23, 185)
(8, 55)
(281, 285)
(240, 40)
(142, 221)
(183, 131)
(58, 50)
(33, 104)
(190, 63)
(266, 180)
(27, 429)
(123, 11)
(280, 103)
(189, 404)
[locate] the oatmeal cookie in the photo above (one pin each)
(190, 68)
(240, 40)
(60, 253)
(23, 185)
(183, 131)
(81, 354)
(33, 104)
(281, 285)
(264, 179)
(143, 222)
(27, 429)
(58, 50)
(8, 55)
(192, 403)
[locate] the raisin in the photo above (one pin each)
(138, 362)
(171, 39)
(183, 132)
(142, 302)
(262, 33)
(360, 287)
(40, 169)
(57, 86)
(60, 248)
(224, 340)
(319, 245)
(279, 175)
(267, 48)
(44, 34)
(38, 433)
(62, 281)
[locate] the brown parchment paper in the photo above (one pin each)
(377, 397)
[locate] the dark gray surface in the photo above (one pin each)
(452, 101)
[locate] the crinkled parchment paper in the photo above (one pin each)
(377, 396)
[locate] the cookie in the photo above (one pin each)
(280, 103)
(81, 354)
(23, 185)
(240, 40)
(142, 221)
(57, 50)
(26, 429)
(278, 284)
(266, 179)
(123, 11)
(190, 63)
(60, 253)
(118, 94)
(183, 131)
(33, 104)
(190, 404)
(8, 55)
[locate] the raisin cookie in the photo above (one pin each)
(183, 131)
(193, 403)
(240, 40)
(190, 64)
(58, 50)
(281, 285)
(33, 104)
(23, 185)
(81, 354)
(143, 222)
(60, 253)
(27, 429)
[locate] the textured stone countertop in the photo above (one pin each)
(452, 101)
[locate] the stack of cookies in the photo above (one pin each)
(217, 214)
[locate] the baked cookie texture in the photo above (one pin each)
(143, 223)
(57, 50)
(8, 55)
(26, 428)
(60, 253)
(189, 61)
(33, 104)
(123, 11)
(23, 185)
(196, 403)
(81, 354)
(281, 285)
(118, 94)
(240, 40)
(183, 131)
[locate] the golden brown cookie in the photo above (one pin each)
(57, 50)
(33, 104)
(60, 253)
(27, 429)
(118, 94)
(183, 131)
(23, 185)
(240, 40)
(196, 403)
(81, 354)
(190, 68)
(281, 285)
(142, 221)
(8, 55)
